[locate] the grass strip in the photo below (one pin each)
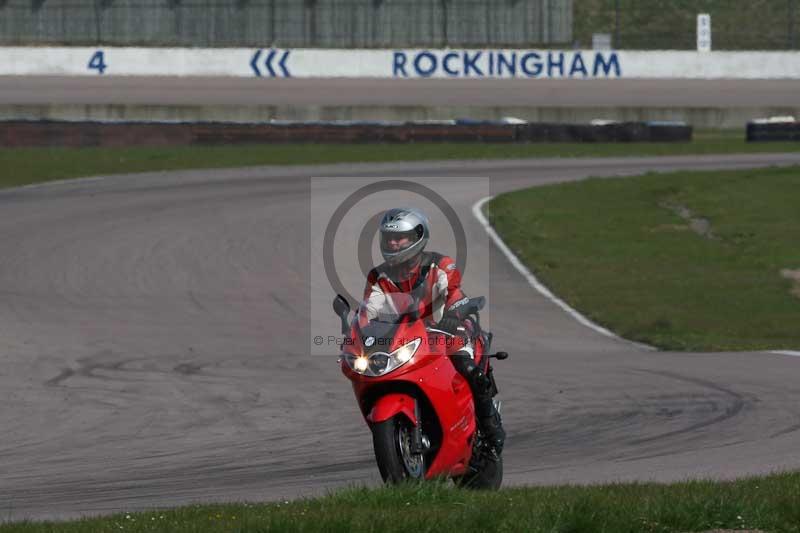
(21, 166)
(652, 25)
(766, 503)
(699, 261)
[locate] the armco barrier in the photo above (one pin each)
(773, 131)
(80, 134)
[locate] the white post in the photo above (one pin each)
(703, 32)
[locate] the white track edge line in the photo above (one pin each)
(785, 352)
(477, 210)
(67, 181)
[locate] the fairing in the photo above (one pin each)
(428, 376)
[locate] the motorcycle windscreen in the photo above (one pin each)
(386, 308)
(380, 315)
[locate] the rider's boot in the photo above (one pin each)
(489, 421)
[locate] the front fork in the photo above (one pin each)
(418, 444)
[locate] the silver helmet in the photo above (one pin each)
(400, 224)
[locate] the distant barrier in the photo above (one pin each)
(286, 23)
(771, 130)
(614, 132)
(82, 134)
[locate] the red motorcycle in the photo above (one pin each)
(419, 408)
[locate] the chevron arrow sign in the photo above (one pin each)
(274, 63)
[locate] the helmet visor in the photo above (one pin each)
(397, 241)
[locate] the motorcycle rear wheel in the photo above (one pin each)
(392, 442)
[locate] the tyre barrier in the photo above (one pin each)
(17, 133)
(610, 132)
(786, 129)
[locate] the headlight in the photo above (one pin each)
(360, 364)
(381, 363)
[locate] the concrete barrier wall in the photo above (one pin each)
(410, 63)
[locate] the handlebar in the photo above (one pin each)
(472, 306)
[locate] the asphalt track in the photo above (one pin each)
(119, 90)
(152, 331)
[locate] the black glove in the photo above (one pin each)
(450, 324)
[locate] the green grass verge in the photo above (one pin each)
(617, 250)
(22, 166)
(658, 24)
(768, 503)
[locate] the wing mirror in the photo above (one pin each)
(342, 309)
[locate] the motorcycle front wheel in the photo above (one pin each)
(392, 440)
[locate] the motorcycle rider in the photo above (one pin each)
(435, 280)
